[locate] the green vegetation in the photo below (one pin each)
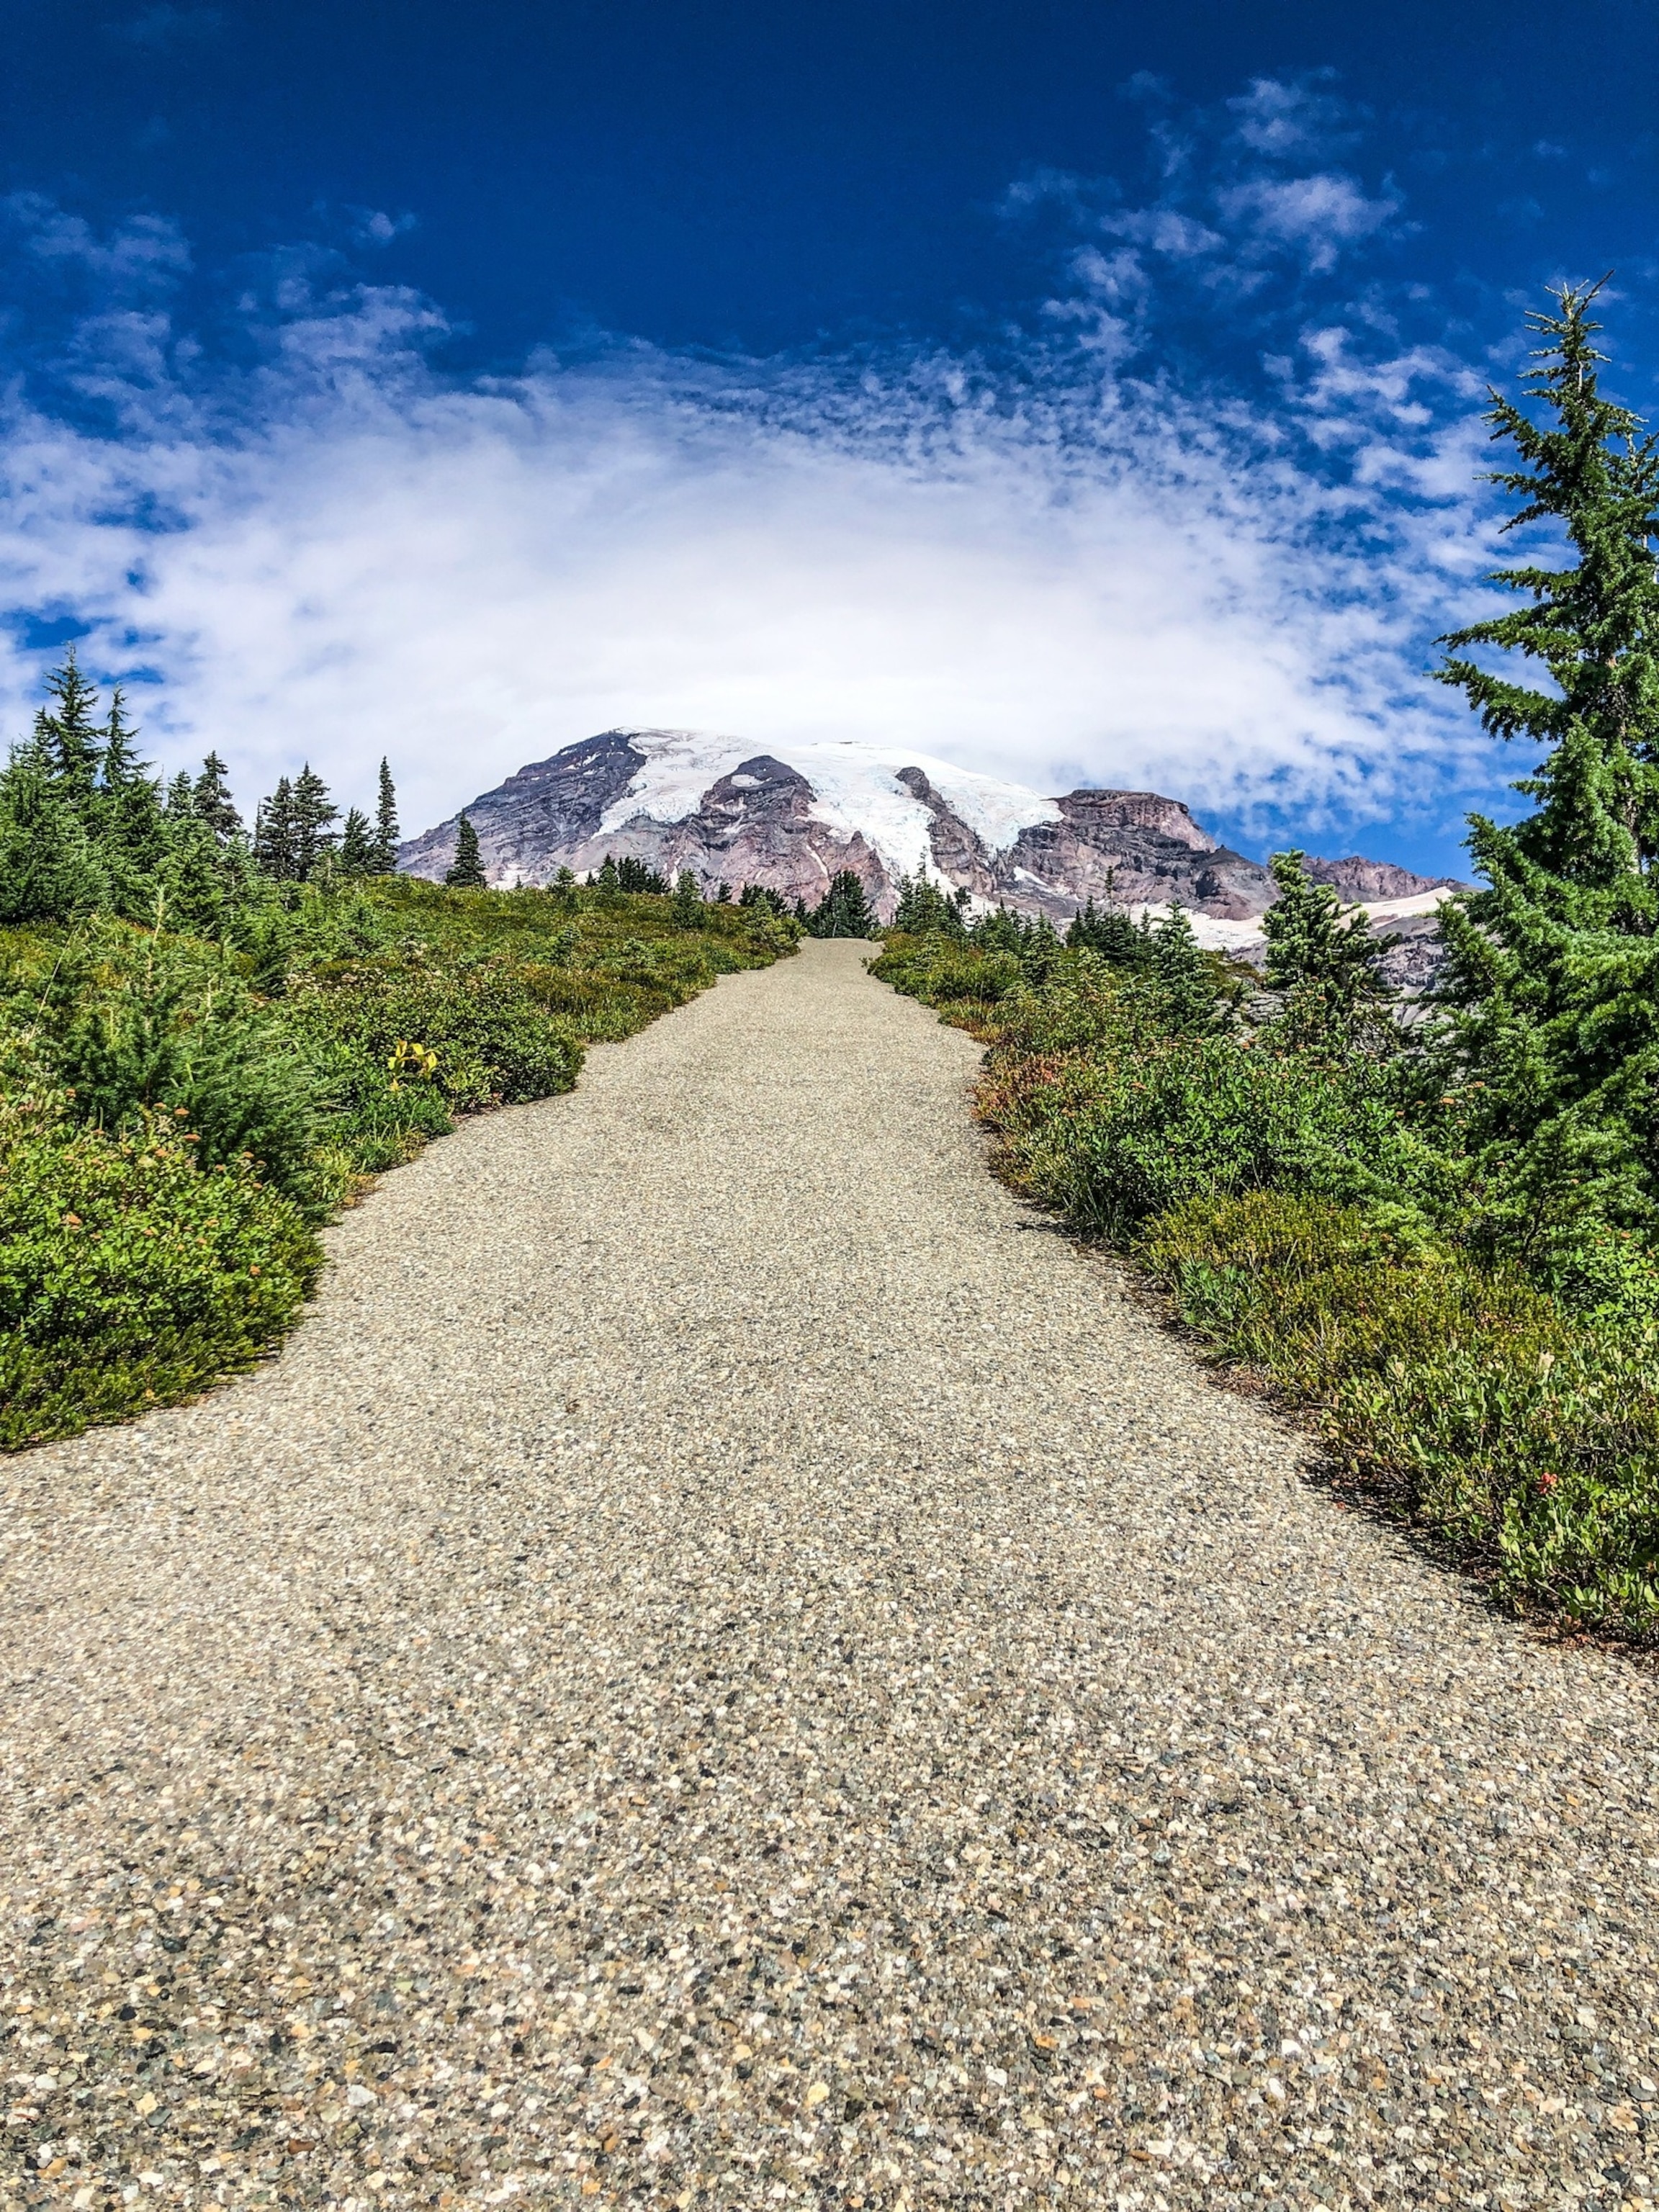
(465, 872)
(1437, 1236)
(205, 1051)
(844, 911)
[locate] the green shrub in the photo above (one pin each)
(129, 1275)
(1135, 1120)
(133, 1021)
(945, 971)
(495, 1045)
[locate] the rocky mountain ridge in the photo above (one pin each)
(678, 799)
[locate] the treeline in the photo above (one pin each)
(86, 828)
(844, 911)
(1440, 1235)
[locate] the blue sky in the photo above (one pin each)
(1086, 392)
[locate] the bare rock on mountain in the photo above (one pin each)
(758, 824)
(1134, 846)
(957, 853)
(1361, 881)
(551, 808)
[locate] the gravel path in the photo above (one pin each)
(726, 1666)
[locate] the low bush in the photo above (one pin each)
(130, 1274)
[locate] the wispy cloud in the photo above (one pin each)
(374, 227)
(1320, 216)
(1059, 564)
(1293, 119)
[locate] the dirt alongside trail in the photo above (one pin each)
(725, 1666)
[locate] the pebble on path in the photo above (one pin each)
(727, 1665)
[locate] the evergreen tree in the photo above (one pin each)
(214, 803)
(608, 878)
(634, 875)
(1000, 932)
(199, 880)
(358, 846)
(1327, 963)
(467, 872)
(275, 843)
(128, 821)
(1039, 952)
(687, 907)
(71, 743)
(51, 870)
(1551, 993)
(1183, 975)
(844, 910)
(384, 858)
(314, 812)
(924, 905)
(1108, 931)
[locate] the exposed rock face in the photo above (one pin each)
(1365, 880)
(551, 807)
(1136, 848)
(754, 825)
(681, 799)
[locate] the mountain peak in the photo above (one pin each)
(730, 812)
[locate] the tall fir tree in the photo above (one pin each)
(71, 741)
(924, 905)
(214, 803)
(686, 904)
(51, 868)
(130, 822)
(1550, 992)
(845, 910)
(276, 844)
(466, 874)
(358, 851)
(1329, 964)
(384, 858)
(1183, 975)
(1108, 931)
(314, 813)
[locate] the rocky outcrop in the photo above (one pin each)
(1361, 881)
(1133, 847)
(678, 799)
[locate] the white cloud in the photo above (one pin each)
(1289, 120)
(1055, 575)
(374, 227)
(1318, 216)
(146, 251)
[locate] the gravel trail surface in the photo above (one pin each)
(726, 1665)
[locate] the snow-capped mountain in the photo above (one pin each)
(685, 799)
